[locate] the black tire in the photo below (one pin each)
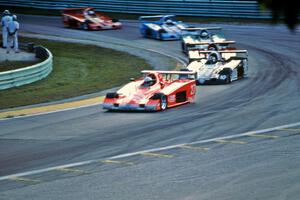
(85, 26)
(163, 102)
(228, 79)
(227, 73)
(148, 33)
(240, 72)
(160, 32)
(183, 47)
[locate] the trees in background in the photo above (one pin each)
(288, 9)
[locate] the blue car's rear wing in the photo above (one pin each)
(155, 17)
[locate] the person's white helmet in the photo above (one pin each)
(6, 12)
(148, 79)
(14, 17)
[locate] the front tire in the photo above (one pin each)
(163, 102)
(227, 74)
(85, 26)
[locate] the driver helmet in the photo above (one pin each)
(212, 58)
(148, 80)
(6, 12)
(14, 17)
(91, 12)
(204, 34)
(169, 22)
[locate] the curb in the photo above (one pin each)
(51, 108)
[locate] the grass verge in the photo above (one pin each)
(12, 65)
(78, 70)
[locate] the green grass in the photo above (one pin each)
(78, 69)
(12, 65)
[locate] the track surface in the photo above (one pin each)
(256, 168)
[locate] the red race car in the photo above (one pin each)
(156, 90)
(88, 19)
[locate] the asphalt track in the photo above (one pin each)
(246, 167)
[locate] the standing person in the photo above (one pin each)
(12, 28)
(6, 18)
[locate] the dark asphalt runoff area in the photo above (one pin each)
(260, 166)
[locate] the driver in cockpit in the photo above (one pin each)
(213, 58)
(90, 13)
(169, 22)
(148, 81)
(204, 35)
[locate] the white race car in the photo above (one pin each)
(213, 67)
(203, 39)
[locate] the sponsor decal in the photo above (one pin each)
(172, 98)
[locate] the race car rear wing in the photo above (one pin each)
(227, 55)
(182, 74)
(209, 43)
(167, 72)
(201, 28)
(226, 51)
(141, 18)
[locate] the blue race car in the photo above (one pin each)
(161, 27)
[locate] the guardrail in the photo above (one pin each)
(30, 74)
(204, 8)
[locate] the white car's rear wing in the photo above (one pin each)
(209, 43)
(226, 54)
(201, 28)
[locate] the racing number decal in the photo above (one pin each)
(193, 89)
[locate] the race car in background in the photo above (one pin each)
(156, 90)
(213, 67)
(88, 19)
(194, 37)
(161, 27)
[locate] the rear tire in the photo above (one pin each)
(228, 78)
(148, 33)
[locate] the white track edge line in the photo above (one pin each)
(147, 151)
